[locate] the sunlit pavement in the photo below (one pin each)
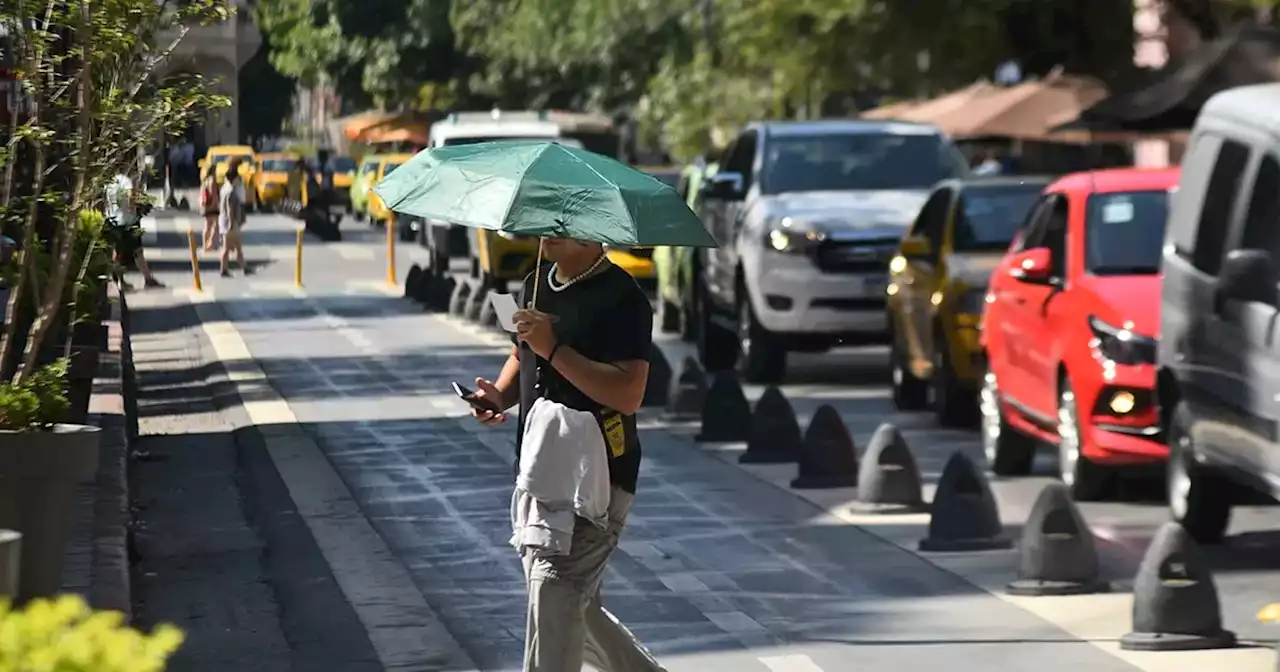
(721, 567)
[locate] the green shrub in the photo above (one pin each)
(36, 403)
(65, 635)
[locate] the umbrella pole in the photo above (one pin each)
(537, 276)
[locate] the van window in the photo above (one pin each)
(1262, 220)
(1219, 204)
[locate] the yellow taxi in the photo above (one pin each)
(378, 212)
(638, 261)
(272, 178)
(219, 156)
(344, 174)
(937, 290)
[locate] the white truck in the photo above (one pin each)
(808, 215)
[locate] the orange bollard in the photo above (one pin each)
(297, 259)
(391, 253)
(195, 261)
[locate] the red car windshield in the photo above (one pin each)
(1124, 232)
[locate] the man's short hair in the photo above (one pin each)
(233, 167)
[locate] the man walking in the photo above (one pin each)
(585, 345)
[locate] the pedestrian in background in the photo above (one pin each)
(209, 198)
(588, 352)
(231, 216)
(124, 214)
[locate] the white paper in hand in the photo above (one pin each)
(504, 307)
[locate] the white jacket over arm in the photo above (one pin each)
(564, 472)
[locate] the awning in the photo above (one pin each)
(355, 124)
(928, 111)
(397, 130)
(1025, 111)
(1249, 55)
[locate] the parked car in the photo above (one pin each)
(1070, 330)
(937, 290)
(675, 267)
(273, 178)
(1219, 355)
(379, 215)
(219, 157)
(344, 174)
(360, 184)
(808, 215)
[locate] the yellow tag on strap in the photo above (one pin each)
(615, 434)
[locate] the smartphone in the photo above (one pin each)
(470, 397)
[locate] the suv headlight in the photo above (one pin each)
(1120, 344)
(791, 237)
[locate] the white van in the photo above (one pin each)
(1218, 360)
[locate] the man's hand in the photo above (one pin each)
(486, 391)
(535, 328)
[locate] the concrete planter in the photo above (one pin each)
(87, 342)
(39, 473)
(10, 554)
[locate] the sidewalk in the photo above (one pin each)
(220, 549)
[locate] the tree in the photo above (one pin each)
(90, 103)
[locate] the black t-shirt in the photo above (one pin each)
(605, 318)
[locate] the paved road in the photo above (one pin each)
(722, 568)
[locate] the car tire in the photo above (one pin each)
(1088, 481)
(1008, 452)
(1200, 498)
(909, 393)
(717, 347)
(952, 405)
(668, 316)
(762, 357)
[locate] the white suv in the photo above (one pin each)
(808, 215)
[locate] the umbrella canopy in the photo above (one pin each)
(543, 189)
(892, 110)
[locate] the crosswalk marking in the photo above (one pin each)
(791, 663)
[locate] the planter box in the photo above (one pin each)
(10, 554)
(39, 474)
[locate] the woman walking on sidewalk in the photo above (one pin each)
(209, 197)
(231, 217)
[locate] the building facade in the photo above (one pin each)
(217, 52)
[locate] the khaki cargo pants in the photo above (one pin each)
(566, 624)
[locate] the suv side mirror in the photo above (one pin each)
(1032, 265)
(1246, 275)
(915, 247)
(724, 186)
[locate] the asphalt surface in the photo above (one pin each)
(721, 567)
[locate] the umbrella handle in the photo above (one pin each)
(537, 276)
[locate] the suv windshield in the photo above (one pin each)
(989, 217)
(1124, 232)
(858, 162)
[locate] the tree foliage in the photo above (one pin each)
(89, 103)
(690, 67)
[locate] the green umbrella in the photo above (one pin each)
(542, 189)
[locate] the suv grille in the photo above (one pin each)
(862, 256)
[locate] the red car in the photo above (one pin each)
(1070, 327)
